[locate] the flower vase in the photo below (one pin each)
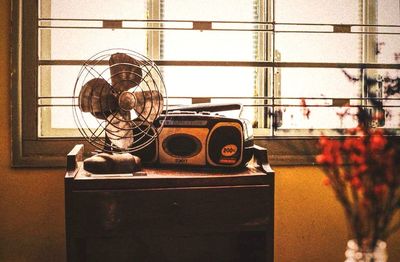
(364, 253)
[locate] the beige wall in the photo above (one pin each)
(309, 225)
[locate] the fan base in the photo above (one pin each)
(104, 163)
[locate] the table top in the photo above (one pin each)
(150, 177)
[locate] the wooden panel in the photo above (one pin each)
(213, 247)
(170, 211)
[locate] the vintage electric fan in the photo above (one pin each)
(118, 96)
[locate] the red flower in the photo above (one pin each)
(323, 141)
(377, 142)
(358, 170)
(362, 168)
(322, 159)
(357, 159)
(330, 152)
(354, 144)
(356, 182)
(380, 190)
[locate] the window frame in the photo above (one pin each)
(28, 149)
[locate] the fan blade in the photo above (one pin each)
(96, 97)
(119, 129)
(125, 72)
(149, 105)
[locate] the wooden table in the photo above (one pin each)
(170, 215)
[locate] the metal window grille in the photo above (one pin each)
(279, 105)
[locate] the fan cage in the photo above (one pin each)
(104, 130)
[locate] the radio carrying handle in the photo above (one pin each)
(209, 107)
(261, 157)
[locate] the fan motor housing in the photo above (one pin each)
(200, 139)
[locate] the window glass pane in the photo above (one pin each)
(64, 122)
(214, 45)
(56, 42)
(317, 11)
(318, 82)
(65, 126)
(209, 10)
(56, 98)
(209, 44)
(297, 123)
(233, 83)
(324, 87)
(312, 47)
(322, 84)
(389, 89)
(316, 47)
(57, 80)
(389, 49)
(81, 44)
(389, 44)
(90, 9)
(388, 13)
(221, 45)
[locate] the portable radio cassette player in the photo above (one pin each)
(197, 135)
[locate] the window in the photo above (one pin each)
(273, 56)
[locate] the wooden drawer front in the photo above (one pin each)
(166, 211)
(226, 247)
